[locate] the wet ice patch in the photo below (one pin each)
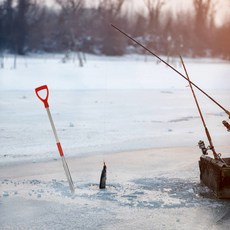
(151, 193)
(176, 193)
(188, 118)
(221, 114)
(5, 194)
(223, 216)
(142, 193)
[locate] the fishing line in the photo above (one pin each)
(102, 184)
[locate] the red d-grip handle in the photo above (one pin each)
(44, 100)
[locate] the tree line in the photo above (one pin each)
(31, 26)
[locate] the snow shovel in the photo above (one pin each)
(45, 101)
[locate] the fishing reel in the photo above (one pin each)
(227, 125)
(202, 147)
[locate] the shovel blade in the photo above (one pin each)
(67, 172)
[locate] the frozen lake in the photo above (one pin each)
(104, 121)
(139, 117)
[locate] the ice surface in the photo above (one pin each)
(143, 191)
(93, 121)
(108, 110)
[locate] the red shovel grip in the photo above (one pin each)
(44, 100)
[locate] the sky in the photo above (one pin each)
(222, 6)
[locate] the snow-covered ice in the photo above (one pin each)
(137, 116)
(143, 191)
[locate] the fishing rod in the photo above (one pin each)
(201, 143)
(225, 123)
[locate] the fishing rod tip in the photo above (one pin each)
(113, 26)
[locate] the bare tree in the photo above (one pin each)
(69, 19)
(70, 7)
(154, 8)
(110, 8)
(110, 11)
(222, 46)
(204, 18)
(202, 13)
(1, 60)
(140, 25)
(21, 26)
(6, 19)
